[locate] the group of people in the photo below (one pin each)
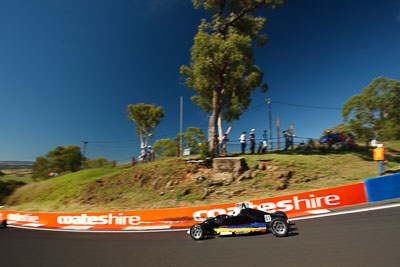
(262, 146)
(339, 140)
(310, 144)
(146, 154)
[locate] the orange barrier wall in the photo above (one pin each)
(294, 205)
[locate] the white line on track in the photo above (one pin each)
(345, 212)
(176, 230)
(72, 227)
(96, 231)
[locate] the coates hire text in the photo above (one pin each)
(287, 205)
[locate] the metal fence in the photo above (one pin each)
(298, 142)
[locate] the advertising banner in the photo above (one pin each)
(293, 205)
(383, 187)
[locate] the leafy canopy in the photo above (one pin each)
(191, 139)
(340, 128)
(146, 117)
(165, 147)
(58, 160)
(376, 111)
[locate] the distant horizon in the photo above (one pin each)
(17, 161)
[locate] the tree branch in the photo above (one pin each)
(221, 8)
(244, 12)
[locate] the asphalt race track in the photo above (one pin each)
(357, 239)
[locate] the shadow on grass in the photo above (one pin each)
(392, 155)
(321, 152)
(391, 171)
(362, 152)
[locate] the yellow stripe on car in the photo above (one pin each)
(220, 230)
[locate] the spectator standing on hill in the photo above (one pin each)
(379, 155)
(311, 144)
(265, 146)
(374, 142)
(342, 139)
(265, 141)
(302, 146)
(288, 139)
(260, 148)
(243, 140)
(331, 140)
(350, 143)
(252, 141)
(142, 155)
(150, 152)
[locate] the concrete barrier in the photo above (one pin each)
(383, 187)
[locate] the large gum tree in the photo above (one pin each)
(222, 70)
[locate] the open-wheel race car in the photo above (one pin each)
(247, 221)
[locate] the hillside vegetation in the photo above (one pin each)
(174, 182)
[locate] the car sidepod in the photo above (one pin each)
(255, 227)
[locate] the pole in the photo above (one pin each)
(181, 129)
(84, 153)
(291, 135)
(278, 127)
(270, 122)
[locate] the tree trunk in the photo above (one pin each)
(141, 141)
(212, 125)
(220, 129)
(216, 111)
(220, 132)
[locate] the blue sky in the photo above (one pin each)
(69, 68)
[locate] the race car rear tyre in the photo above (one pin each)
(197, 232)
(279, 227)
(3, 224)
(281, 214)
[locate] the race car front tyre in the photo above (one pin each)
(279, 227)
(197, 232)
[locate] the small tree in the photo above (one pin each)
(40, 168)
(73, 158)
(100, 161)
(60, 159)
(191, 138)
(165, 147)
(146, 117)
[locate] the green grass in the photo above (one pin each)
(17, 178)
(54, 192)
(162, 183)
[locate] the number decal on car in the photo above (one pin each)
(267, 218)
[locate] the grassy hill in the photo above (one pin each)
(174, 182)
